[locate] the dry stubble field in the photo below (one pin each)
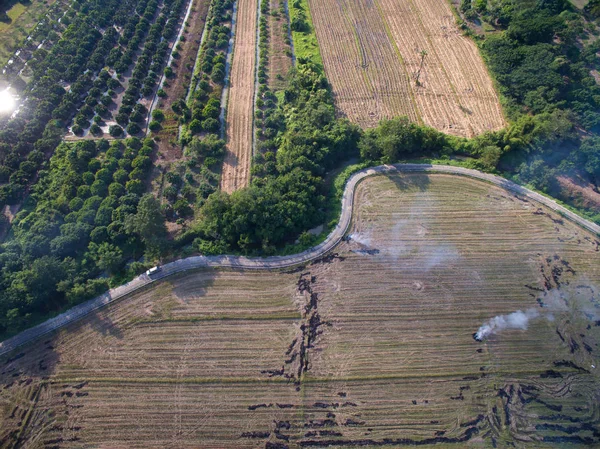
(371, 50)
(370, 346)
(240, 103)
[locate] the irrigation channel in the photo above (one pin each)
(278, 262)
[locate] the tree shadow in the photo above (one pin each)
(101, 323)
(188, 287)
(412, 181)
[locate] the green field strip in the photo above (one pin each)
(306, 44)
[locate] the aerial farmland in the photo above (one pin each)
(372, 345)
(390, 58)
(299, 224)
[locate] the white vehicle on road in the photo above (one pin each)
(152, 271)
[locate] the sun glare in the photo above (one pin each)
(7, 102)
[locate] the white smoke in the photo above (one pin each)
(580, 302)
(515, 320)
(364, 238)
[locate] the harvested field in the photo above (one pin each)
(370, 346)
(373, 57)
(240, 103)
(368, 78)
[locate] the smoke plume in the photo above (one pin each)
(515, 320)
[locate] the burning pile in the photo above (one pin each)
(515, 320)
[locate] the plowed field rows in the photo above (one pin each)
(369, 347)
(240, 104)
(372, 51)
(368, 78)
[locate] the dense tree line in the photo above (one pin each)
(268, 120)
(541, 56)
(202, 114)
(86, 218)
(286, 195)
(80, 43)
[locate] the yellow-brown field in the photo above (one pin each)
(369, 347)
(386, 58)
(240, 104)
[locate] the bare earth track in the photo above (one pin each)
(372, 49)
(370, 346)
(240, 103)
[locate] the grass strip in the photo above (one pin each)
(306, 45)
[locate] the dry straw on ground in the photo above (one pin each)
(240, 104)
(386, 58)
(373, 342)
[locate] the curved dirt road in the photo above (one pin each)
(277, 262)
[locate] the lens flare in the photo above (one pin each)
(7, 102)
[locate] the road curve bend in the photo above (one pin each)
(277, 262)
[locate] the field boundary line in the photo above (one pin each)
(280, 262)
(273, 380)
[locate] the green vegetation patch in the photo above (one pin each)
(12, 14)
(306, 46)
(86, 219)
(20, 19)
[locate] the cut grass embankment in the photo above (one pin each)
(306, 46)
